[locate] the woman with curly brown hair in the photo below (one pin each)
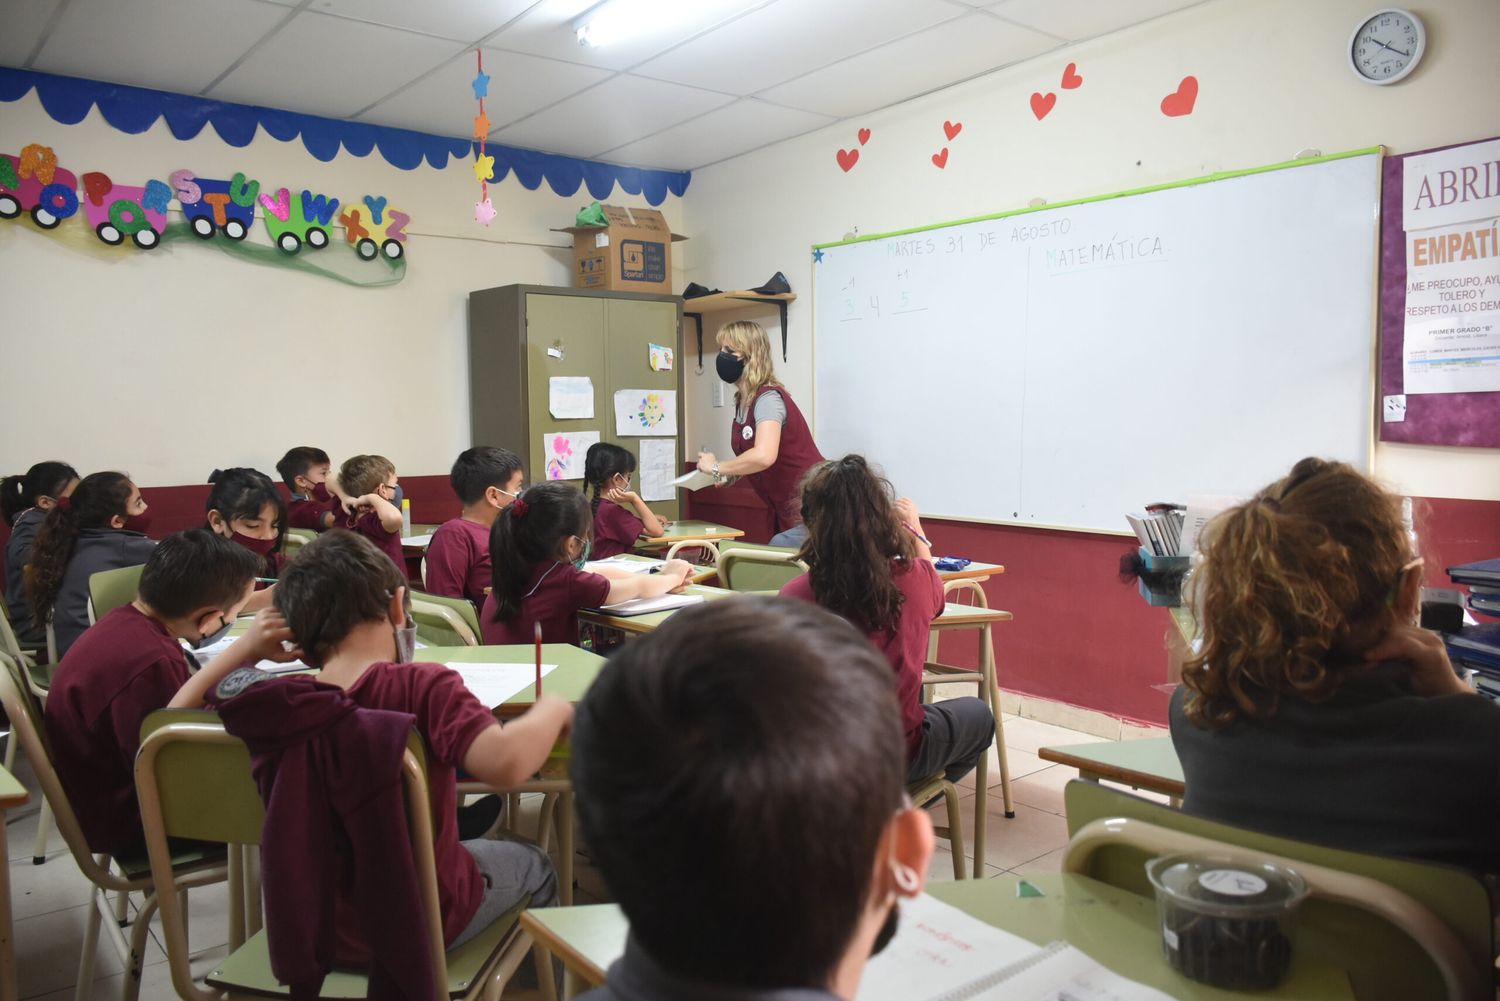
(869, 563)
(1317, 708)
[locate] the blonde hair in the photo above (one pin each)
(1295, 586)
(750, 340)
(361, 474)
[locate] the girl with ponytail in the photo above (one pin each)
(24, 503)
(538, 547)
(1317, 708)
(620, 516)
(100, 527)
(869, 562)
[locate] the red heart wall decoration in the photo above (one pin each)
(1041, 104)
(951, 129)
(864, 136)
(1180, 102)
(847, 159)
(1070, 78)
(940, 160)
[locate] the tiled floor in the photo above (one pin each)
(51, 901)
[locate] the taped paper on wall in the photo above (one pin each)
(641, 412)
(658, 467)
(564, 452)
(571, 397)
(661, 358)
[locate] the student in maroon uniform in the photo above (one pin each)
(305, 470)
(620, 516)
(486, 480)
(130, 664)
(539, 548)
(101, 527)
(868, 562)
(245, 507)
(24, 503)
(772, 444)
(367, 484)
(344, 603)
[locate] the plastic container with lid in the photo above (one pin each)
(1226, 923)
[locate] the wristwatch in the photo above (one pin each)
(715, 472)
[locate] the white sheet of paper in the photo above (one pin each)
(645, 606)
(695, 480)
(629, 566)
(660, 357)
(570, 397)
(1451, 341)
(1394, 410)
(1200, 509)
(565, 452)
(493, 684)
(272, 667)
(1062, 973)
(658, 467)
(938, 948)
(640, 412)
(416, 540)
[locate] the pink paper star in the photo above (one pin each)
(484, 211)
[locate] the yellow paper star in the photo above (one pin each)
(481, 125)
(484, 168)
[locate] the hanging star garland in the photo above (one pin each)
(484, 165)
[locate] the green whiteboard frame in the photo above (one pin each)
(1223, 175)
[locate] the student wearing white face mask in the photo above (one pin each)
(362, 643)
(486, 480)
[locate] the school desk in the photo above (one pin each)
(1118, 929)
(1141, 764)
(575, 672)
(639, 625)
(975, 571)
(956, 616)
(12, 795)
(686, 531)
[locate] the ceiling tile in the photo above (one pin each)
(324, 65)
(616, 112)
(957, 50)
(1077, 19)
(173, 47)
(444, 103)
(24, 21)
(547, 30)
(738, 128)
(788, 38)
(462, 20)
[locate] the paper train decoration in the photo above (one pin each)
(32, 182)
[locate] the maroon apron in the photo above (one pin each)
(780, 486)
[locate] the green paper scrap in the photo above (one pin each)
(591, 216)
(1025, 889)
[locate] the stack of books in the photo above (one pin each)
(1483, 581)
(1160, 529)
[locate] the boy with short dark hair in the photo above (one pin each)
(740, 779)
(486, 480)
(367, 485)
(129, 664)
(305, 470)
(344, 604)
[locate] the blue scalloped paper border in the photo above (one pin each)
(136, 109)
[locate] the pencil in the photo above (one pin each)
(918, 534)
(538, 633)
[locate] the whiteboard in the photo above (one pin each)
(1062, 367)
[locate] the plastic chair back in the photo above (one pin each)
(758, 569)
(440, 624)
(1384, 956)
(109, 589)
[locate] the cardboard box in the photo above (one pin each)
(632, 254)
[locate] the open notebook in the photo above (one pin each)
(941, 953)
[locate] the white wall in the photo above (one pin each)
(1273, 79)
(171, 362)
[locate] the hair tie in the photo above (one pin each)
(65, 503)
(518, 508)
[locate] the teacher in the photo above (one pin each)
(772, 445)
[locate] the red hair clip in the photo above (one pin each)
(518, 508)
(65, 503)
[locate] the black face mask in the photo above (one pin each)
(887, 931)
(730, 368)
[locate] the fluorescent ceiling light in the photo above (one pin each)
(620, 20)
